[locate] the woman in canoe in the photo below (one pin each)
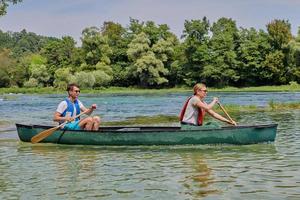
(68, 109)
(195, 108)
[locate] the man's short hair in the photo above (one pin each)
(71, 86)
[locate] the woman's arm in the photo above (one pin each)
(205, 106)
(219, 117)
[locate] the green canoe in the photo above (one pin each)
(154, 135)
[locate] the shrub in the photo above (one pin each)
(32, 82)
(85, 79)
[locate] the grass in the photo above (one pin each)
(283, 106)
(272, 106)
(45, 90)
(293, 87)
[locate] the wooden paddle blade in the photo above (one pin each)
(43, 134)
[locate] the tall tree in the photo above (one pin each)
(221, 70)
(274, 69)
(39, 75)
(196, 37)
(293, 58)
(115, 34)
(118, 42)
(154, 32)
(60, 53)
(149, 70)
(4, 4)
(23, 43)
(251, 52)
(280, 33)
(280, 36)
(6, 68)
(95, 48)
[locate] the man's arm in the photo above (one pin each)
(91, 109)
(57, 117)
(62, 106)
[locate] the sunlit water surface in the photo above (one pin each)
(49, 171)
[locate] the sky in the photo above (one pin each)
(69, 17)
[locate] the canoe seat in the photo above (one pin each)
(129, 129)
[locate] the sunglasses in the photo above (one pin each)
(204, 91)
(77, 91)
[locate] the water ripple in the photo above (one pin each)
(49, 171)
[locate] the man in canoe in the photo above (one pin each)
(68, 109)
(195, 108)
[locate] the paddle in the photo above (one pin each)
(226, 113)
(42, 135)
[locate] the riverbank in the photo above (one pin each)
(132, 90)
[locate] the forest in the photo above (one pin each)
(148, 55)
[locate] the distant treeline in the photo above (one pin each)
(149, 55)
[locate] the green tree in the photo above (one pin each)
(62, 77)
(95, 48)
(22, 43)
(154, 32)
(102, 78)
(296, 70)
(6, 41)
(118, 42)
(39, 72)
(39, 75)
(60, 53)
(280, 33)
(251, 52)
(31, 83)
(274, 69)
(84, 79)
(11, 72)
(22, 73)
(4, 4)
(280, 36)
(149, 70)
(138, 46)
(292, 52)
(195, 48)
(221, 70)
(165, 50)
(115, 34)
(7, 64)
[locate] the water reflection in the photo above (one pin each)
(116, 171)
(200, 181)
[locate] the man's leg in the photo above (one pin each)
(86, 124)
(96, 123)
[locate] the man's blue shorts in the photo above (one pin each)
(72, 126)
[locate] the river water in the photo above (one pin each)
(49, 171)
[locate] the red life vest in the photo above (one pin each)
(201, 113)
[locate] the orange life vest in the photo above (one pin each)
(201, 113)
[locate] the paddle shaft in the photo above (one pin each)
(223, 109)
(42, 135)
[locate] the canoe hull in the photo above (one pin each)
(239, 135)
